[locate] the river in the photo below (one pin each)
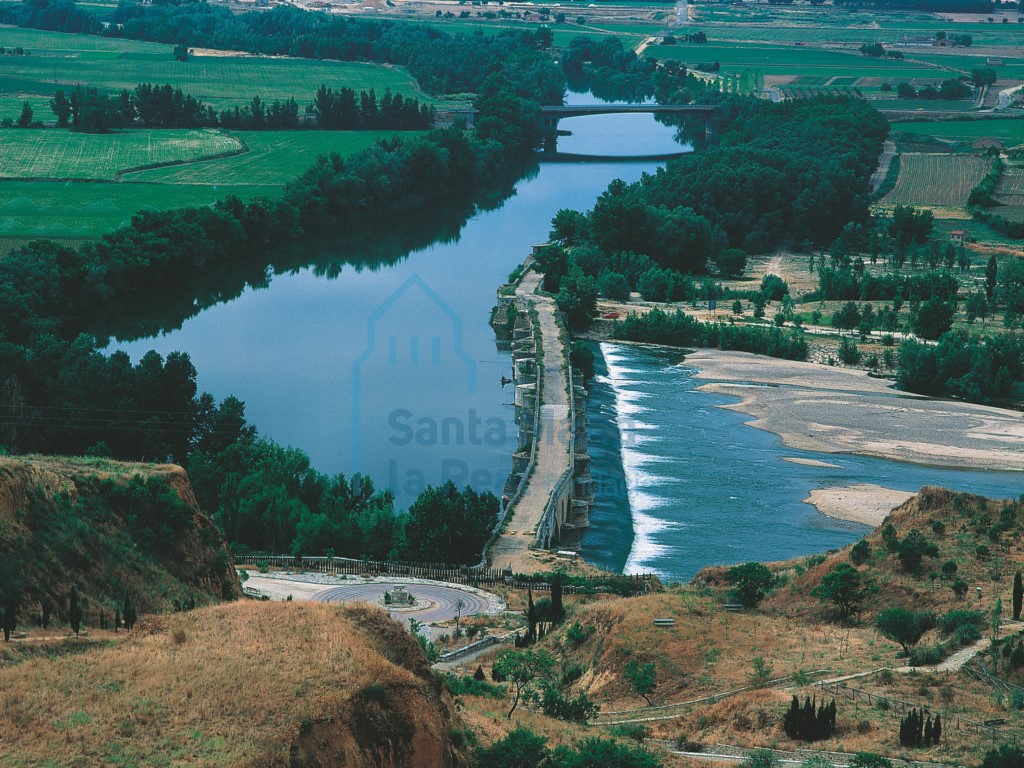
(682, 483)
(392, 370)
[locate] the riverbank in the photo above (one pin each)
(862, 503)
(819, 408)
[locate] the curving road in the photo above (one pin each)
(442, 602)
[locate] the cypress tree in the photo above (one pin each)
(556, 599)
(45, 621)
(10, 617)
(919, 736)
(117, 619)
(1018, 596)
(479, 674)
(74, 612)
(937, 729)
(531, 618)
(928, 731)
(791, 722)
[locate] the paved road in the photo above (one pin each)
(552, 456)
(439, 603)
(888, 153)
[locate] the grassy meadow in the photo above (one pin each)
(60, 61)
(273, 157)
(61, 154)
(76, 210)
(1008, 129)
(69, 208)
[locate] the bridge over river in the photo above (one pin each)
(552, 115)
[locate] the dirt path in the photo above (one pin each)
(878, 177)
(552, 456)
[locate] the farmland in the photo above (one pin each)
(789, 61)
(937, 181)
(82, 210)
(1010, 189)
(273, 157)
(61, 61)
(61, 154)
(1009, 130)
(70, 209)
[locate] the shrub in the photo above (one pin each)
(861, 552)
(954, 620)
(577, 634)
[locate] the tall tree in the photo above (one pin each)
(557, 609)
(531, 618)
(74, 612)
(523, 668)
(1018, 595)
(991, 276)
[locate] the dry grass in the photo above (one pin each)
(232, 685)
(710, 650)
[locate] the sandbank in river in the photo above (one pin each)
(820, 408)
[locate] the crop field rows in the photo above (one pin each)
(1010, 189)
(61, 154)
(937, 181)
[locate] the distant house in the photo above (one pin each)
(958, 236)
(994, 61)
(941, 42)
(987, 142)
(916, 40)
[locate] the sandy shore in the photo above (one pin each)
(834, 410)
(810, 462)
(860, 503)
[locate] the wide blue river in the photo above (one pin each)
(392, 370)
(682, 483)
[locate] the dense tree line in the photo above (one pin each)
(781, 172)
(681, 330)
(162, 106)
(979, 369)
(347, 110)
(849, 282)
(58, 15)
(440, 62)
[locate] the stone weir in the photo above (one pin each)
(548, 495)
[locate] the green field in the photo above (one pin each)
(89, 209)
(789, 60)
(1010, 130)
(61, 154)
(61, 61)
(936, 181)
(823, 25)
(86, 209)
(274, 157)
